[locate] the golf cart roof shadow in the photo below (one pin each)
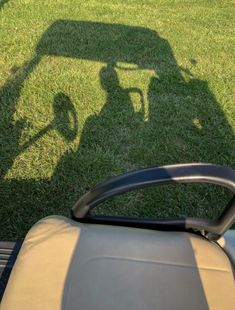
(108, 43)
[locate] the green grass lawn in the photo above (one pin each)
(92, 89)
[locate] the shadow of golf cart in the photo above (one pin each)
(91, 261)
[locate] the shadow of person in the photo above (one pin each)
(106, 139)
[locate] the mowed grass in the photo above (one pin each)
(92, 89)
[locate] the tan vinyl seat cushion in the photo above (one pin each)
(68, 265)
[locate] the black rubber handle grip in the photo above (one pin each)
(182, 173)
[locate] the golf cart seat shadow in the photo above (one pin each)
(94, 262)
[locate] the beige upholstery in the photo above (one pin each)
(227, 242)
(66, 265)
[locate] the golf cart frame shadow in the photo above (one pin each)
(118, 47)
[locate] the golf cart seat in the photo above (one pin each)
(97, 262)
